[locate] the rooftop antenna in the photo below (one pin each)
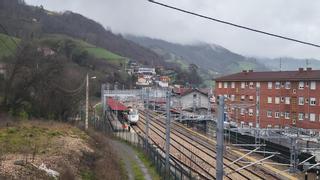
(280, 64)
(307, 63)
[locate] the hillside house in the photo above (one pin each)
(2, 69)
(46, 51)
(190, 99)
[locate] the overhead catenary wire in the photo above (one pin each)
(235, 25)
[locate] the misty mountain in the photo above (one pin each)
(210, 57)
(30, 22)
(288, 63)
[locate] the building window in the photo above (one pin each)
(251, 85)
(301, 100)
(242, 111)
(243, 97)
(233, 84)
(313, 85)
(288, 85)
(220, 84)
(312, 116)
(269, 100)
(306, 116)
(277, 115)
(301, 85)
(277, 85)
(225, 85)
(250, 112)
(313, 101)
(269, 85)
(301, 116)
(287, 100)
(269, 114)
(258, 84)
(233, 97)
(282, 99)
(277, 100)
(243, 85)
(287, 115)
(251, 98)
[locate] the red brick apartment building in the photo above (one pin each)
(287, 98)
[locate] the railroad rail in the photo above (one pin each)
(194, 151)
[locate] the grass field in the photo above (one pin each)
(7, 46)
(26, 135)
(97, 52)
(104, 54)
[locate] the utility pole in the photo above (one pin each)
(293, 155)
(147, 117)
(168, 121)
(194, 103)
(209, 102)
(87, 102)
(103, 98)
(220, 122)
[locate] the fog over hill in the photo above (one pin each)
(288, 63)
(210, 57)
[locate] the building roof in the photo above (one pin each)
(185, 91)
(116, 105)
(299, 75)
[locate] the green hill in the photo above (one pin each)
(7, 46)
(35, 22)
(97, 52)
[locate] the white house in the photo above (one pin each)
(189, 99)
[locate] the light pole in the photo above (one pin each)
(87, 100)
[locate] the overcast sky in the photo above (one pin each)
(293, 18)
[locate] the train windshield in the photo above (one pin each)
(133, 112)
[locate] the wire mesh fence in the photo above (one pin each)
(154, 153)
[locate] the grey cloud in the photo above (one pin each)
(293, 18)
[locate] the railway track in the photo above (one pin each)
(195, 151)
(180, 152)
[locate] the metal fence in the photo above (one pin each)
(152, 151)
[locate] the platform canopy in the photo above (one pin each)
(116, 105)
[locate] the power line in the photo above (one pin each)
(235, 25)
(72, 92)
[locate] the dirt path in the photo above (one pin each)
(129, 158)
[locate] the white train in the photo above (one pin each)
(133, 116)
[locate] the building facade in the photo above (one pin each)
(190, 99)
(272, 99)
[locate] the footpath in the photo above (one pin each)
(133, 165)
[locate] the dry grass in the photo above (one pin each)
(107, 164)
(60, 146)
